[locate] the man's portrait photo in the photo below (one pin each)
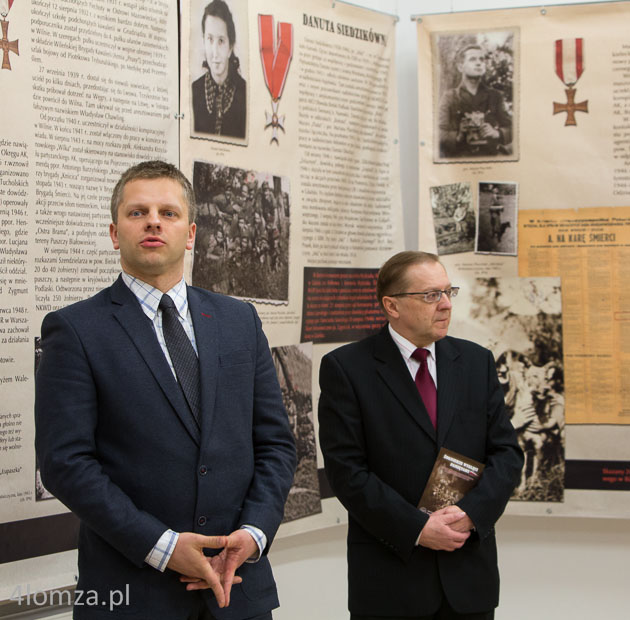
(218, 70)
(497, 221)
(475, 106)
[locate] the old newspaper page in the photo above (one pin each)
(589, 249)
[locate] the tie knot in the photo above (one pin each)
(420, 354)
(166, 303)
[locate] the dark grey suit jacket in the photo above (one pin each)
(379, 447)
(118, 445)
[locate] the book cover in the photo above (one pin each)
(453, 475)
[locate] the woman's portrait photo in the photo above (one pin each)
(218, 66)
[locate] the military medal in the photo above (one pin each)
(569, 68)
(7, 46)
(276, 59)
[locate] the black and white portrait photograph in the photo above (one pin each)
(475, 107)
(453, 218)
(497, 220)
(294, 368)
(242, 242)
(520, 321)
(219, 69)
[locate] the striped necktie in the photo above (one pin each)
(182, 354)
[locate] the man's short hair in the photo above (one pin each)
(154, 170)
(392, 277)
(461, 55)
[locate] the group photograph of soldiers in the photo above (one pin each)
(243, 222)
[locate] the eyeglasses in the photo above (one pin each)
(431, 297)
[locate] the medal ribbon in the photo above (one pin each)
(5, 7)
(569, 60)
(275, 58)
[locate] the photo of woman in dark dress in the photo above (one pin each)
(219, 95)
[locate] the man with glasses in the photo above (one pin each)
(388, 404)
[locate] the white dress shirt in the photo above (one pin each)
(407, 348)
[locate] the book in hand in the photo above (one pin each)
(453, 475)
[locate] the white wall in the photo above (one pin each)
(560, 568)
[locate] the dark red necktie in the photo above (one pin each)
(425, 385)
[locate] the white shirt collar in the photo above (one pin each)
(406, 347)
(149, 297)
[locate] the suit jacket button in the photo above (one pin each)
(201, 521)
(203, 470)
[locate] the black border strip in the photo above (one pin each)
(597, 475)
(33, 538)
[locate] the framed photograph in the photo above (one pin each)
(242, 243)
(453, 218)
(497, 219)
(219, 65)
(475, 108)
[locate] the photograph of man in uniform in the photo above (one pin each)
(475, 96)
(453, 218)
(496, 208)
(498, 219)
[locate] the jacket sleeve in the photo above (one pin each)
(66, 417)
(375, 505)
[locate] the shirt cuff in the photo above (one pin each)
(160, 555)
(259, 538)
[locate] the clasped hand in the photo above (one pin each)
(446, 530)
(200, 572)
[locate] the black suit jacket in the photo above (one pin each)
(379, 448)
(118, 445)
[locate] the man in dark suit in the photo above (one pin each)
(159, 471)
(380, 443)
